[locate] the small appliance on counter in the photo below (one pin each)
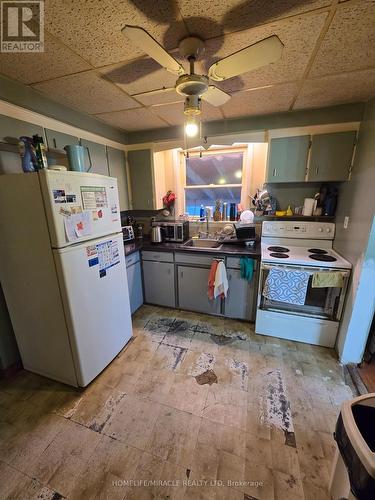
(128, 233)
(156, 236)
(174, 231)
(244, 235)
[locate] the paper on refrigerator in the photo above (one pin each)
(78, 225)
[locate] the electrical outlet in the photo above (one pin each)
(346, 222)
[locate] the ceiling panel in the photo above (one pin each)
(87, 92)
(350, 41)
(337, 89)
(93, 27)
(298, 34)
(140, 75)
(170, 96)
(57, 60)
(174, 113)
(218, 16)
(133, 119)
(273, 99)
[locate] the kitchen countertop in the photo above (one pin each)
(230, 250)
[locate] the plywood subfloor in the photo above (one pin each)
(145, 428)
(367, 374)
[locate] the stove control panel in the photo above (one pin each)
(299, 229)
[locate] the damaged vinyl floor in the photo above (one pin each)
(195, 407)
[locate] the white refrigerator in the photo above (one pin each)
(63, 273)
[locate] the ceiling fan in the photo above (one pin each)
(196, 87)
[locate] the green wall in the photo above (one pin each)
(26, 97)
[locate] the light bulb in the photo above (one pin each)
(191, 129)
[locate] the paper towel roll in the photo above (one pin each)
(309, 206)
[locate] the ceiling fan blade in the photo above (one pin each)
(259, 54)
(215, 96)
(144, 41)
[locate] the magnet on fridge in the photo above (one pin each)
(102, 273)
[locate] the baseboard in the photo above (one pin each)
(11, 370)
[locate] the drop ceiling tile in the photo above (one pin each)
(133, 119)
(162, 98)
(337, 89)
(93, 27)
(174, 113)
(140, 75)
(57, 60)
(218, 16)
(350, 40)
(87, 92)
(262, 101)
(299, 36)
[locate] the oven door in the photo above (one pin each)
(168, 232)
(321, 303)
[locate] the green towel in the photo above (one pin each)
(247, 268)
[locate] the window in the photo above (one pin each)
(214, 176)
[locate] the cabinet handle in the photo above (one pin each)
(274, 172)
(317, 169)
(54, 142)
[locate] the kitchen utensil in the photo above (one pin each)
(309, 206)
(156, 236)
(76, 157)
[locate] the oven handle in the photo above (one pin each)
(311, 270)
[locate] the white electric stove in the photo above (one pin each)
(298, 249)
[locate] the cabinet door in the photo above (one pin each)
(98, 155)
(135, 286)
(287, 159)
(158, 279)
(192, 290)
(141, 179)
(57, 140)
(241, 299)
(117, 168)
(331, 156)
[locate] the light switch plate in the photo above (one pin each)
(346, 222)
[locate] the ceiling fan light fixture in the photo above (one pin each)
(191, 128)
(192, 105)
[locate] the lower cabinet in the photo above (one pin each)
(241, 299)
(158, 279)
(192, 290)
(134, 274)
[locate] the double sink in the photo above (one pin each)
(203, 244)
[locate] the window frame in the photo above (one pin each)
(215, 152)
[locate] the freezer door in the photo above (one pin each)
(79, 206)
(96, 302)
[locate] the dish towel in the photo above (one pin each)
(286, 286)
(211, 280)
(247, 268)
(328, 279)
(221, 281)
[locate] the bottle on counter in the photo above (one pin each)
(225, 211)
(232, 212)
(201, 213)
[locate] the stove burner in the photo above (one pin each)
(317, 251)
(325, 258)
(278, 249)
(279, 255)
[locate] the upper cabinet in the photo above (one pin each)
(331, 156)
(287, 159)
(96, 155)
(58, 140)
(11, 129)
(117, 168)
(140, 163)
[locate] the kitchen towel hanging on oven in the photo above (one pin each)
(286, 286)
(328, 279)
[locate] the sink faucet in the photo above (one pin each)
(207, 221)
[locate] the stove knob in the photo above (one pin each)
(320, 229)
(328, 230)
